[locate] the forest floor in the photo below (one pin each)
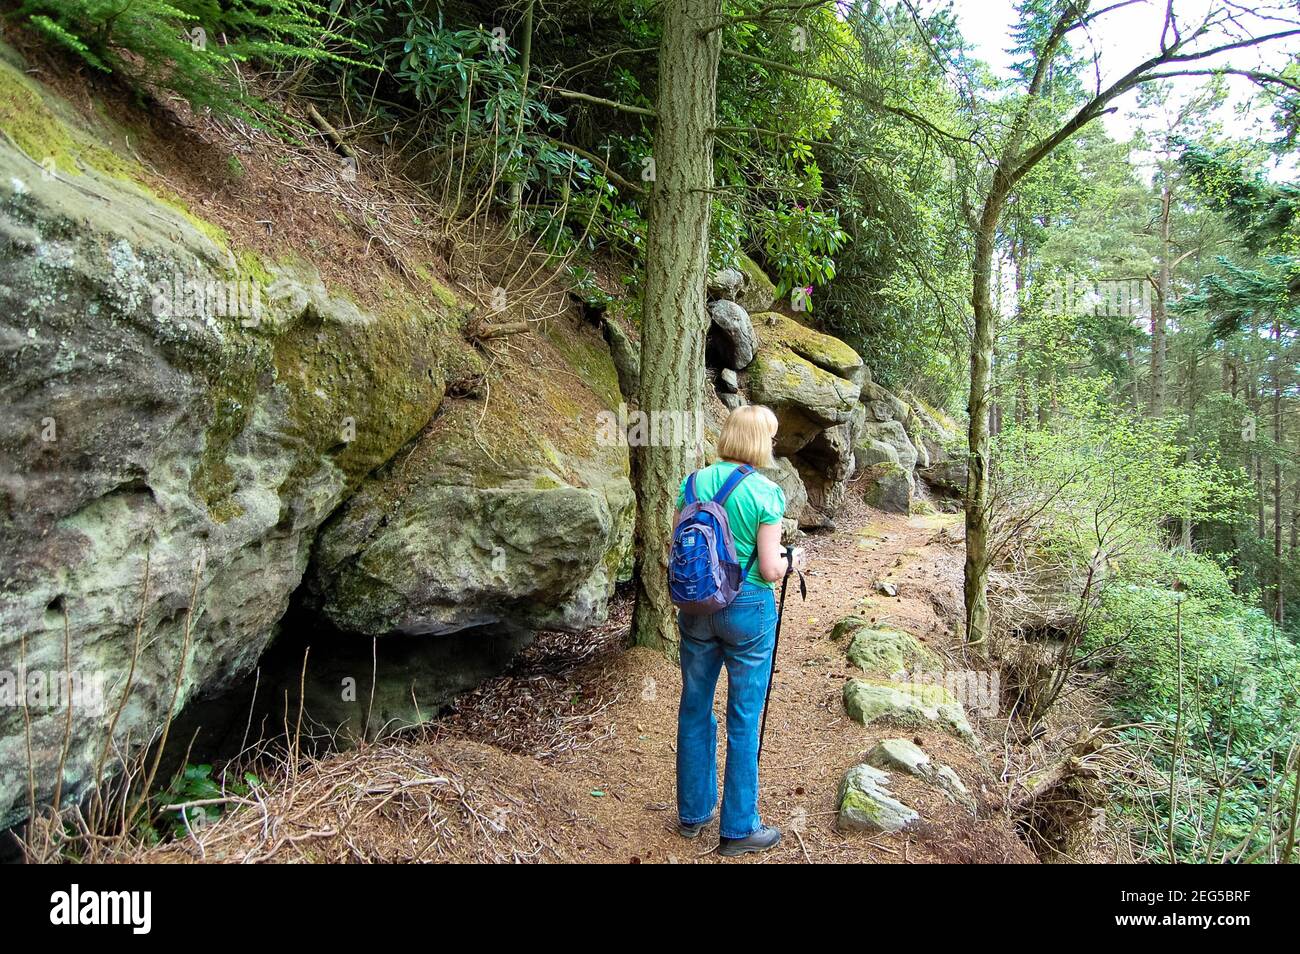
(569, 755)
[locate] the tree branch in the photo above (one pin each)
(762, 15)
(606, 170)
(1142, 73)
(597, 100)
(848, 90)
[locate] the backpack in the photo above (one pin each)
(704, 573)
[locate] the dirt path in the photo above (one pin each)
(810, 741)
(570, 755)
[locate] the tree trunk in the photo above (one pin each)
(674, 318)
(1279, 608)
(1194, 369)
(1295, 519)
(977, 479)
(525, 68)
(1159, 310)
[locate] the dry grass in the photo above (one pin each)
(396, 801)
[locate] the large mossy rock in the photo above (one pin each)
(827, 352)
(516, 515)
(757, 293)
(890, 433)
(884, 650)
(806, 398)
(865, 803)
(887, 487)
(151, 428)
(913, 705)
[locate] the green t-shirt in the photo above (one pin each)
(757, 500)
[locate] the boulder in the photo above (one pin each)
(732, 341)
(887, 487)
(807, 399)
(868, 452)
(884, 405)
(865, 803)
(728, 383)
(784, 474)
(822, 350)
(857, 421)
(891, 433)
(169, 409)
(886, 651)
(904, 755)
(948, 477)
(913, 705)
(726, 284)
(514, 515)
(825, 465)
(758, 293)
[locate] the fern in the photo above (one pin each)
(191, 47)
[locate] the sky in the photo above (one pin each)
(1125, 37)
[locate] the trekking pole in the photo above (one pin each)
(780, 615)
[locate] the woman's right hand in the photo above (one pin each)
(798, 561)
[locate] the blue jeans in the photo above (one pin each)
(742, 636)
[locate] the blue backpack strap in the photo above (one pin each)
(690, 497)
(737, 475)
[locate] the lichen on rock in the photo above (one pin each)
(906, 704)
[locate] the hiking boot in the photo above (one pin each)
(693, 831)
(766, 837)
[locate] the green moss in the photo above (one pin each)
(824, 351)
(761, 293)
(441, 292)
(32, 126)
(357, 391)
(849, 625)
(45, 129)
(252, 267)
(233, 386)
(885, 650)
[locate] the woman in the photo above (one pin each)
(740, 637)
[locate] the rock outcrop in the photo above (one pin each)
(521, 517)
(838, 427)
(175, 420)
(179, 419)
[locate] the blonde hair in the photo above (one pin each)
(747, 435)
